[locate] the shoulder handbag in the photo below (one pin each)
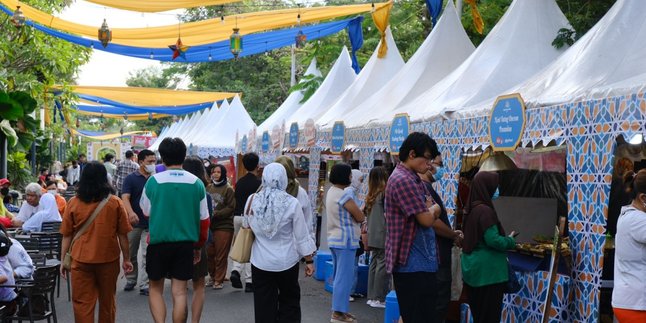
(241, 249)
(67, 260)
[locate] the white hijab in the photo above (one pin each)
(357, 180)
(48, 206)
(270, 204)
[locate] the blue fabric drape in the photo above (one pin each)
(218, 51)
(434, 8)
(356, 41)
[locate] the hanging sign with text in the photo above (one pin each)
(338, 137)
(293, 135)
(507, 122)
(265, 141)
(244, 144)
(399, 130)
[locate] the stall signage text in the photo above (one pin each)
(265, 141)
(244, 144)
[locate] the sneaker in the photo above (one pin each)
(129, 286)
(144, 292)
(235, 279)
(351, 299)
(378, 304)
(369, 302)
(357, 295)
(342, 318)
(218, 286)
(248, 288)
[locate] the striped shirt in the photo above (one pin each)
(124, 168)
(343, 231)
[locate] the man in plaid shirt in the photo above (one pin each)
(124, 168)
(411, 251)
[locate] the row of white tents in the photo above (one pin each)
(448, 78)
(215, 127)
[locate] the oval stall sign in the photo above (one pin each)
(293, 135)
(399, 130)
(265, 141)
(338, 137)
(507, 122)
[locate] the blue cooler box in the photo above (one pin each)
(362, 280)
(391, 315)
(319, 264)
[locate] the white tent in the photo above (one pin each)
(289, 106)
(205, 124)
(222, 134)
(445, 48)
(178, 131)
(609, 60)
(374, 75)
(339, 78)
(519, 46)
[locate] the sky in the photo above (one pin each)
(109, 69)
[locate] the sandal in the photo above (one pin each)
(343, 318)
(218, 286)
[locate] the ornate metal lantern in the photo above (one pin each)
(18, 18)
(235, 42)
(301, 39)
(105, 34)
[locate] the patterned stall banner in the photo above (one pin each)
(293, 135)
(338, 137)
(310, 132)
(265, 141)
(276, 136)
(507, 122)
(399, 130)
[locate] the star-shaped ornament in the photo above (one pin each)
(179, 49)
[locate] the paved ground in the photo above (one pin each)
(228, 305)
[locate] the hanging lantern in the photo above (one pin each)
(105, 34)
(18, 18)
(235, 42)
(301, 39)
(125, 116)
(150, 116)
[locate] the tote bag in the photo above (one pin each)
(241, 249)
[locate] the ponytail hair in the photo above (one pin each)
(635, 183)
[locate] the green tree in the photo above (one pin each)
(33, 62)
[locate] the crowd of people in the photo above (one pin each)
(183, 216)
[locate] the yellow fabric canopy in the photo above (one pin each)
(134, 117)
(381, 18)
(142, 96)
(200, 32)
(109, 136)
(158, 5)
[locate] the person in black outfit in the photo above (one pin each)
(245, 186)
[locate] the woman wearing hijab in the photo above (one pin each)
(224, 203)
(484, 250)
(48, 213)
(294, 189)
(343, 233)
(282, 239)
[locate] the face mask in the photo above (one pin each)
(52, 192)
(439, 173)
(496, 194)
(150, 169)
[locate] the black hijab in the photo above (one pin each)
(223, 176)
(479, 213)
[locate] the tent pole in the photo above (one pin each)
(458, 8)
(293, 78)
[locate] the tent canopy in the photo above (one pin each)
(516, 48)
(373, 76)
(445, 48)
